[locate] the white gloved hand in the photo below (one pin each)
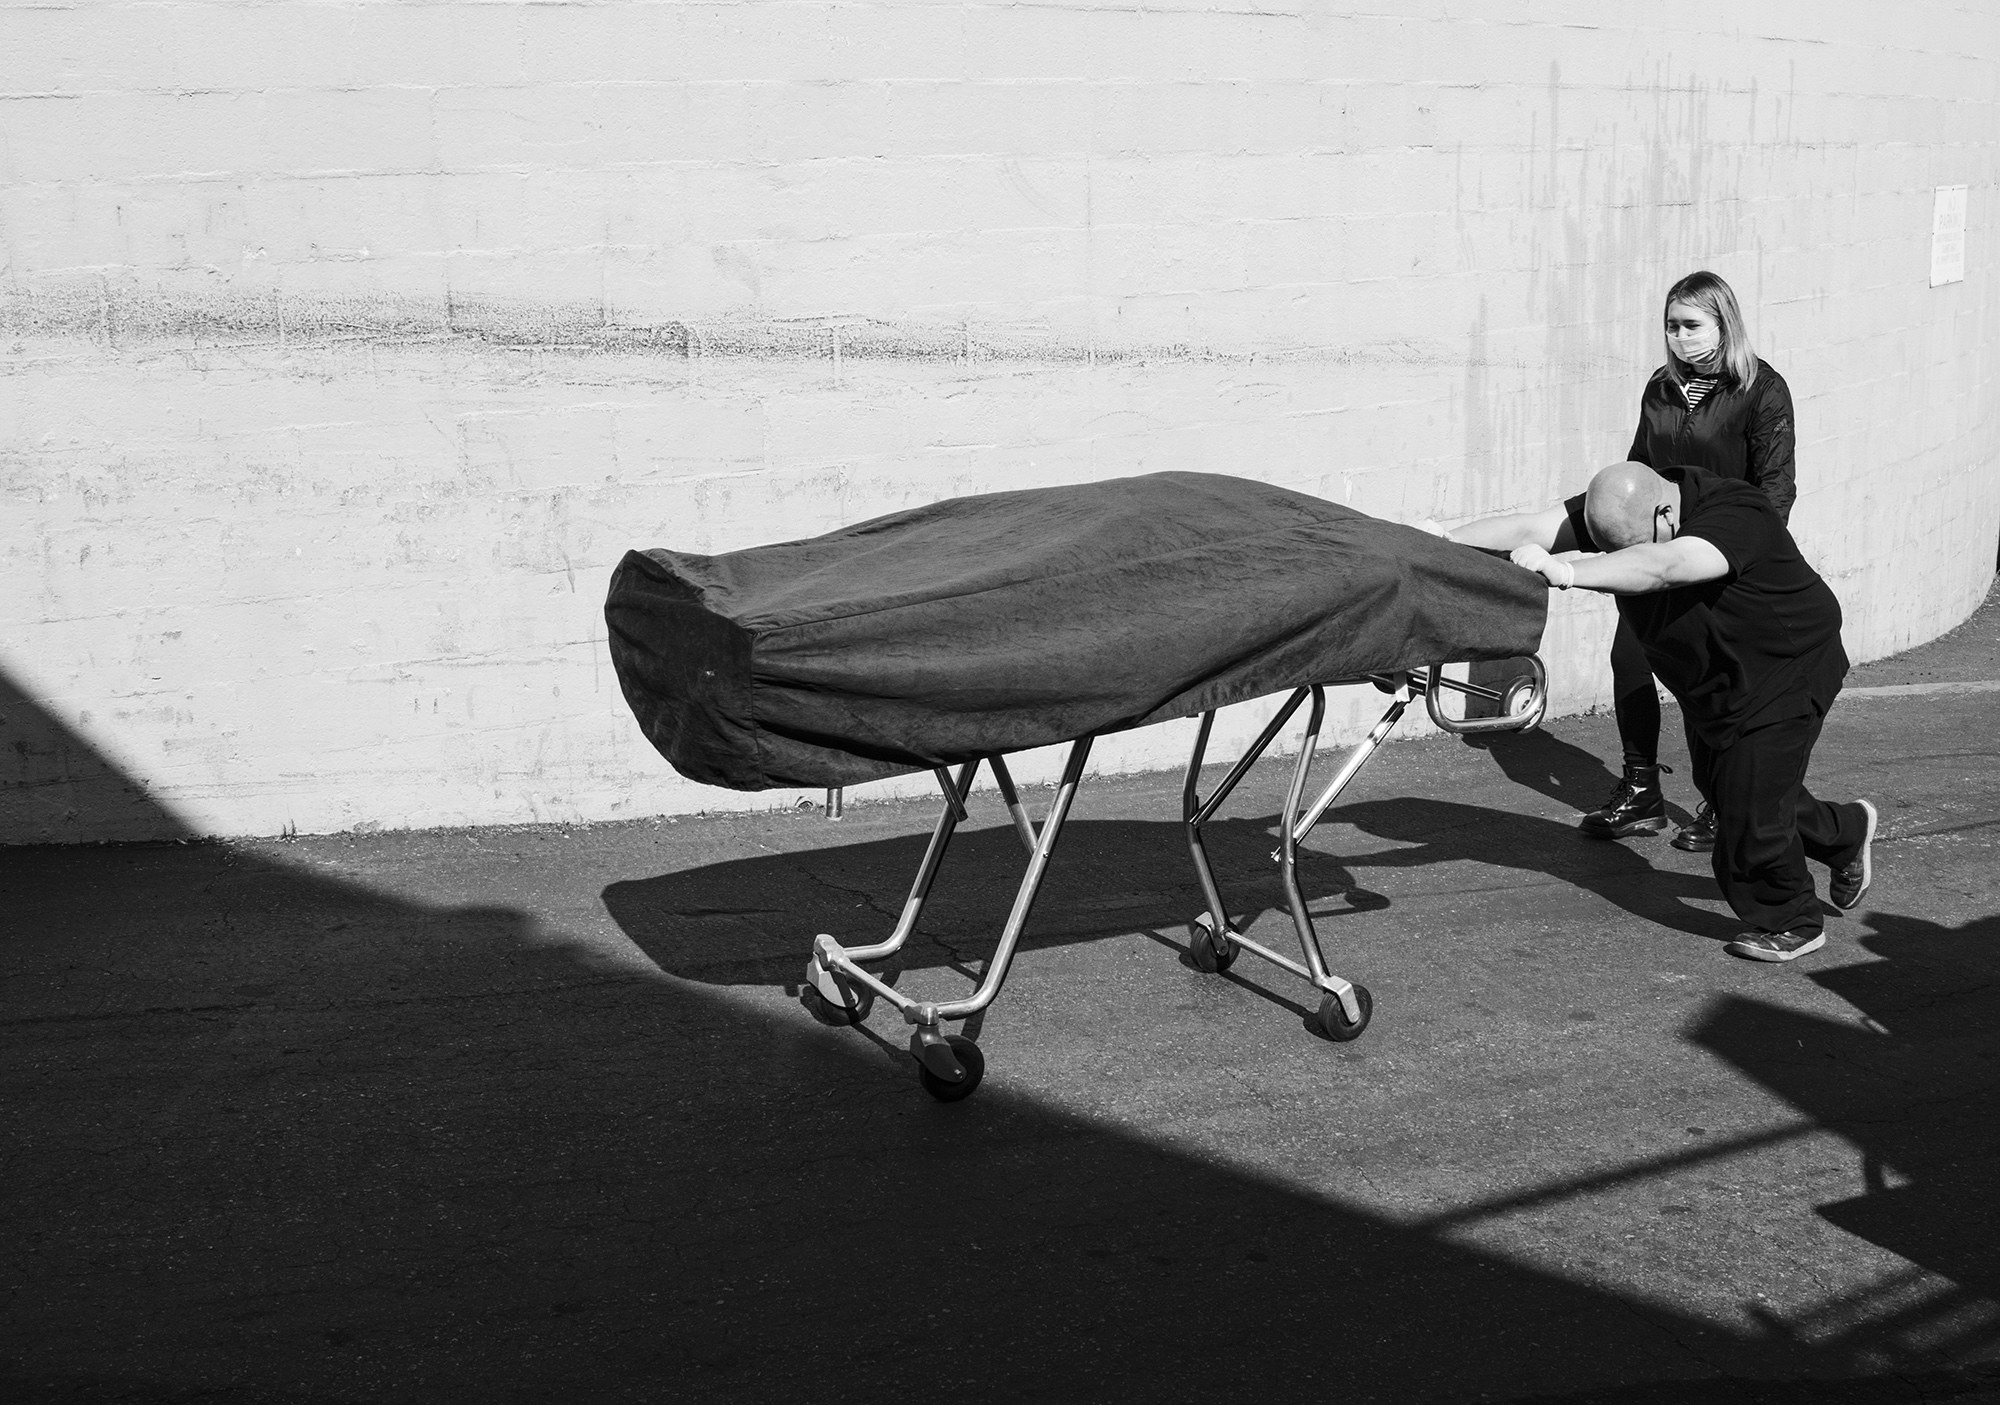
(1559, 574)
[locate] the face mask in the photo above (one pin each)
(1700, 349)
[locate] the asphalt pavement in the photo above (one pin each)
(537, 1115)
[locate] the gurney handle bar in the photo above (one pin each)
(1429, 681)
(1538, 701)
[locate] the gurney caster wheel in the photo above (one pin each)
(1520, 698)
(969, 1058)
(828, 1013)
(1209, 952)
(1333, 1015)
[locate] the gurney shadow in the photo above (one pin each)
(751, 921)
(1435, 833)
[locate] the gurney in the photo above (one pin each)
(955, 635)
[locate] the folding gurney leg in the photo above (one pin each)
(1213, 943)
(839, 991)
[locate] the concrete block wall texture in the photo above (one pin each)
(348, 345)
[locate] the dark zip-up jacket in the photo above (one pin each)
(1736, 432)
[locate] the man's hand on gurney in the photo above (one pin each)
(1632, 570)
(1558, 569)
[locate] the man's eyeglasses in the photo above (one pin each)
(1661, 511)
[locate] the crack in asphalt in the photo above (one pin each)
(961, 962)
(868, 898)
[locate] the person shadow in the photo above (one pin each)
(1437, 832)
(1913, 1084)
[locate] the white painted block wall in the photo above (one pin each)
(347, 346)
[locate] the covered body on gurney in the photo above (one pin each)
(960, 632)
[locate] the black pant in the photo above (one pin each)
(1767, 824)
(1634, 699)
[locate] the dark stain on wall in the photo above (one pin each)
(131, 315)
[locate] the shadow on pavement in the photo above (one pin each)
(1914, 1084)
(1548, 765)
(323, 1145)
(275, 1136)
(1443, 831)
(1107, 876)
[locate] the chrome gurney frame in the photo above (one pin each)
(840, 991)
(1213, 943)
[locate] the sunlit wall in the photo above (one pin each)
(348, 345)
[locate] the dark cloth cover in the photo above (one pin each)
(1012, 620)
(1761, 643)
(1737, 431)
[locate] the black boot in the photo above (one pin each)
(1636, 807)
(1698, 835)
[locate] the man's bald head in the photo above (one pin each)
(1622, 502)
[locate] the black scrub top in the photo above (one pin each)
(1761, 643)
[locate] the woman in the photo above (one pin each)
(1714, 405)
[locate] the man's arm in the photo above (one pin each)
(1637, 570)
(1548, 529)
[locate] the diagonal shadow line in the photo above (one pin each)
(306, 1167)
(1233, 976)
(1646, 1169)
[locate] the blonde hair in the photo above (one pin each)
(1708, 292)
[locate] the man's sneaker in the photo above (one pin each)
(1776, 946)
(1636, 807)
(1850, 881)
(1697, 836)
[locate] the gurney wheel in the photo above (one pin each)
(1209, 952)
(1519, 699)
(969, 1058)
(1333, 1016)
(826, 1012)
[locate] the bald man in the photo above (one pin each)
(1747, 636)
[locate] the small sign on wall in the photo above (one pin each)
(1948, 235)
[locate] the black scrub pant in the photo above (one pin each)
(1767, 824)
